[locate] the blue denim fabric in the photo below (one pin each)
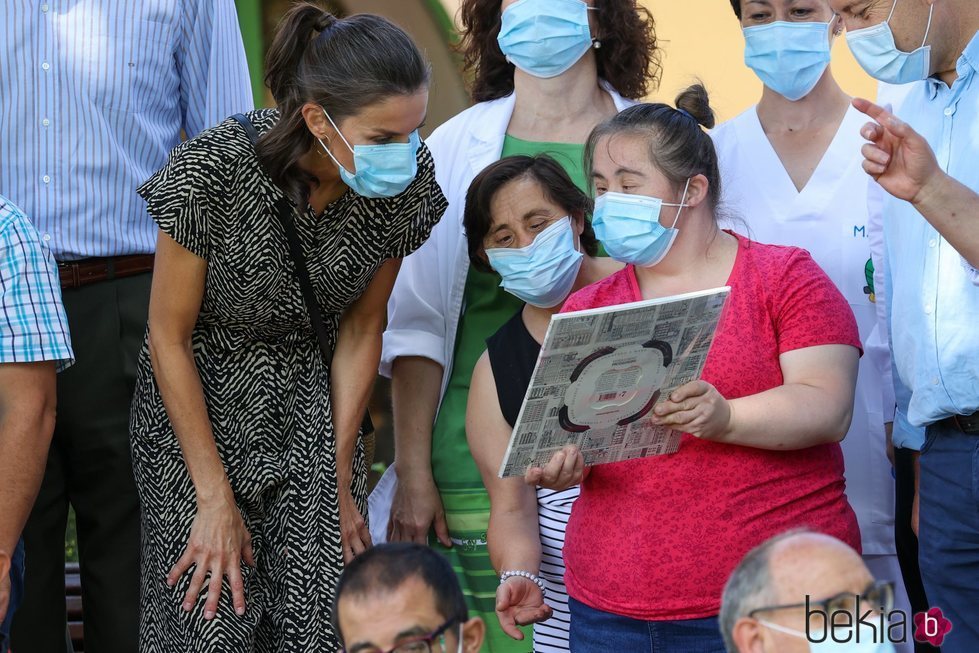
(949, 532)
(594, 631)
(16, 594)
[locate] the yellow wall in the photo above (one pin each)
(702, 38)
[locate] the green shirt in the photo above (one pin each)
(486, 306)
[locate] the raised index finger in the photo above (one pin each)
(875, 111)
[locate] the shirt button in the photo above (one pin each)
(45, 122)
(47, 237)
(932, 243)
(46, 179)
(45, 66)
(44, 8)
(934, 381)
(927, 310)
(949, 111)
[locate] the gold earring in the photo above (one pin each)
(325, 153)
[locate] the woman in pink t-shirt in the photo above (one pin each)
(651, 541)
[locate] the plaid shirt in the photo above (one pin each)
(33, 326)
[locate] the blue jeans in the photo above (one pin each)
(16, 593)
(594, 631)
(948, 549)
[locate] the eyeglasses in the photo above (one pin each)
(420, 644)
(877, 597)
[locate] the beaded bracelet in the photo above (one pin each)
(534, 578)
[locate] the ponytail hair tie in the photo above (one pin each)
(330, 21)
(687, 114)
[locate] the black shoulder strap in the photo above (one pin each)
(249, 128)
(296, 251)
(305, 283)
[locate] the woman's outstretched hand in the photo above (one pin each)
(218, 543)
(519, 602)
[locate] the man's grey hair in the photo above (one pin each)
(750, 586)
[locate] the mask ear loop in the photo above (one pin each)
(682, 204)
(931, 14)
(893, 8)
(339, 133)
(326, 149)
(781, 629)
(578, 246)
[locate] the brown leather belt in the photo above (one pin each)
(968, 424)
(75, 274)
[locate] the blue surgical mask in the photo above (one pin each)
(379, 170)
(542, 273)
(865, 645)
(629, 227)
(544, 38)
(789, 58)
(874, 49)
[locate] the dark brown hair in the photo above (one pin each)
(384, 568)
(678, 146)
(554, 182)
(736, 5)
(342, 64)
(629, 58)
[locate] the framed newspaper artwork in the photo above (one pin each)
(600, 373)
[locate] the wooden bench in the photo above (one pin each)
(73, 600)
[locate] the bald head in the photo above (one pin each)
(786, 570)
(815, 565)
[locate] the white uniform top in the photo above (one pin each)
(830, 219)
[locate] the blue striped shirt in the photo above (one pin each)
(94, 95)
(33, 327)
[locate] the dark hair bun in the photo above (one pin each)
(695, 101)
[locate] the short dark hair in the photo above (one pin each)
(736, 5)
(555, 183)
(678, 146)
(629, 58)
(343, 64)
(386, 567)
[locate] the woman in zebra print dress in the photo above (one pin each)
(514, 210)
(245, 441)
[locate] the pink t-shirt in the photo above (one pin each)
(657, 538)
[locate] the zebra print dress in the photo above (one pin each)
(266, 386)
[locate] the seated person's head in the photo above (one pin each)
(508, 205)
(764, 608)
(404, 598)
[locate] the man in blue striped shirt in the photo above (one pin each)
(95, 94)
(34, 343)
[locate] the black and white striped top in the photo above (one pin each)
(512, 354)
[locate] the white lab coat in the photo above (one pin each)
(426, 303)
(830, 218)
